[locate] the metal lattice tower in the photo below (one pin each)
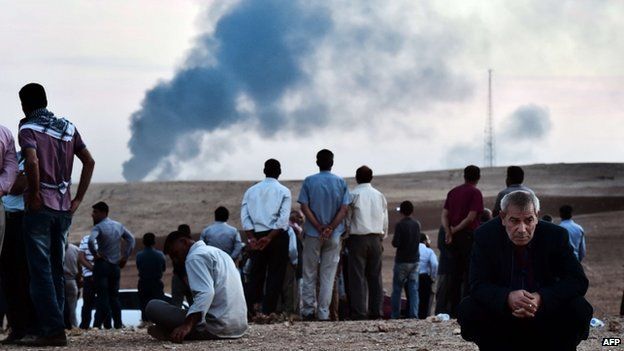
(488, 154)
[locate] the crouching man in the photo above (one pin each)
(526, 285)
(218, 311)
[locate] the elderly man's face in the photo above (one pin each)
(520, 224)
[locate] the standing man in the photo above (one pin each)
(13, 265)
(151, 265)
(264, 215)
(222, 235)
(526, 287)
(108, 261)
(514, 180)
(575, 232)
(86, 260)
(218, 310)
(428, 270)
(48, 145)
(406, 240)
(368, 226)
(72, 276)
(324, 198)
(460, 217)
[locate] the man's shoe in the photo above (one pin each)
(308, 317)
(158, 333)
(59, 339)
(11, 339)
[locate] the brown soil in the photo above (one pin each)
(360, 335)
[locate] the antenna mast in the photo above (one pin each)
(489, 130)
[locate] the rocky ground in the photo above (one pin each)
(361, 335)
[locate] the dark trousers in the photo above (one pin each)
(442, 299)
(14, 279)
(106, 277)
(458, 284)
(88, 301)
(365, 253)
(149, 289)
(561, 329)
(424, 295)
(270, 263)
(45, 231)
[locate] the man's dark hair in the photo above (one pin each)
(547, 218)
(364, 175)
(185, 229)
(171, 238)
(272, 168)
(406, 208)
(101, 206)
(565, 212)
(515, 175)
(325, 160)
(221, 214)
(423, 238)
(149, 239)
(472, 173)
(33, 96)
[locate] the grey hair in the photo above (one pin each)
(522, 199)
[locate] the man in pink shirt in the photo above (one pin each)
(49, 144)
(460, 218)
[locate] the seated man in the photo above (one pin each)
(218, 310)
(526, 285)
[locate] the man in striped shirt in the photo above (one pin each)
(88, 286)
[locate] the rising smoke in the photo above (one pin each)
(274, 66)
(527, 123)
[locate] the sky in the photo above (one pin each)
(204, 90)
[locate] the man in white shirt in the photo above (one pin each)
(218, 310)
(368, 225)
(428, 270)
(265, 210)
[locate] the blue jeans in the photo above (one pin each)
(405, 272)
(45, 232)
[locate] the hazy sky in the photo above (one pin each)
(400, 85)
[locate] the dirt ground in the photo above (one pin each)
(357, 335)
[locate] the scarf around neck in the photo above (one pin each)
(44, 121)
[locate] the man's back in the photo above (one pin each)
(70, 264)
(55, 151)
(407, 239)
(150, 263)
(324, 193)
(369, 211)
(460, 201)
(218, 290)
(266, 206)
(108, 235)
(577, 237)
(224, 237)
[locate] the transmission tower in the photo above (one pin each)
(488, 153)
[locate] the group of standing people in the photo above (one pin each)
(512, 273)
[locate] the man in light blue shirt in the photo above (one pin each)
(265, 210)
(575, 232)
(222, 235)
(108, 262)
(218, 310)
(324, 198)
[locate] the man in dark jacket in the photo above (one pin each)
(526, 286)
(407, 240)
